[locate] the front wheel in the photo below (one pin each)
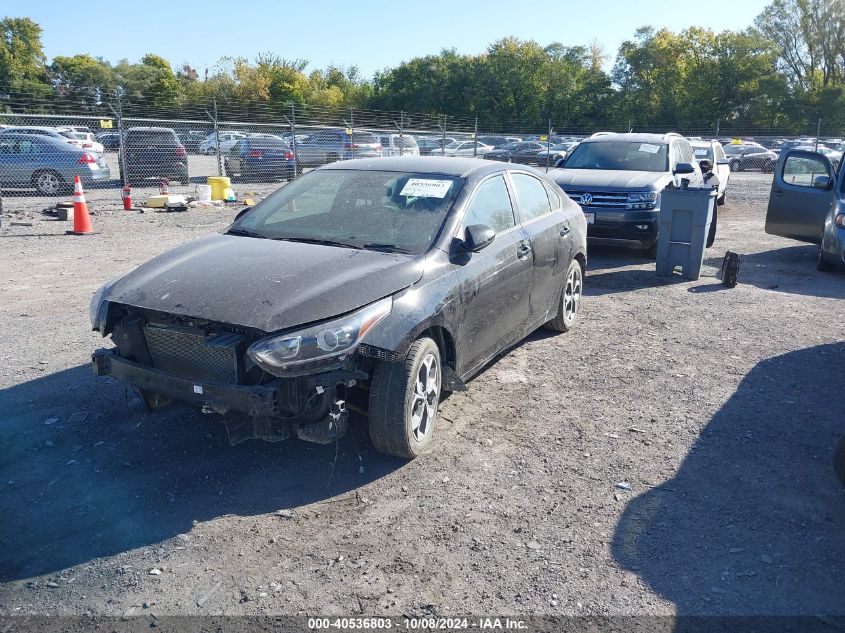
(711, 236)
(403, 401)
(734, 165)
(823, 265)
(721, 200)
(570, 299)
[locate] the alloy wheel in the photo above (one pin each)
(425, 398)
(572, 294)
(47, 183)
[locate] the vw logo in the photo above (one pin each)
(586, 199)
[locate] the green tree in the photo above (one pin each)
(23, 72)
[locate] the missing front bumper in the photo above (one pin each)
(255, 409)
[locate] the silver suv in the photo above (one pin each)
(617, 180)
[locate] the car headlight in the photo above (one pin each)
(99, 309)
(334, 339)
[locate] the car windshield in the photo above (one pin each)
(369, 209)
(620, 155)
(454, 145)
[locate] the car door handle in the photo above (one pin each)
(523, 251)
(564, 231)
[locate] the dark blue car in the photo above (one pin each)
(260, 158)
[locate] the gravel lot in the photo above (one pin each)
(672, 454)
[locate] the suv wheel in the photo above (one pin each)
(823, 265)
(403, 401)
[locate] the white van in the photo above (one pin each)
(396, 145)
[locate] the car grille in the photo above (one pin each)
(192, 355)
(601, 199)
(602, 230)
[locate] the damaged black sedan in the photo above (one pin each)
(377, 284)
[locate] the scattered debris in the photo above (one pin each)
(623, 485)
(286, 514)
(155, 571)
(532, 545)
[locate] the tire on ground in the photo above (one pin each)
(570, 299)
(391, 398)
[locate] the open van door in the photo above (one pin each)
(802, 196)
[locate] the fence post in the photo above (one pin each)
(292, 122)
(352, 130)
(443, 129)
(718, 124)
(818, 133)
(402, 133)
(217, 140)
(120, 145)
(475, 139)
(1, 209)
(549, 146)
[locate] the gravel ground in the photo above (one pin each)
(671, 455)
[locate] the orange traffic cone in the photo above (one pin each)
(81, 220)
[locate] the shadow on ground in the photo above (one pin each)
(753, 523)
(791, 269)
(84, 473)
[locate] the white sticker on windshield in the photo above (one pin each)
(426, 188)
(648, 148)
(700, 152)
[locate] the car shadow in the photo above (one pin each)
(86, 473)
(752, 521)
(791, 269)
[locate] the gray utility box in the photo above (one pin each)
(685, 216)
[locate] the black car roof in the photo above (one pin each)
(445, 166)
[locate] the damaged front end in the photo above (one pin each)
(268, 387)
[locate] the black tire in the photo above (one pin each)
(48, 182)
(393, 396)
(735, 165)
(711, 236)
(721, 200)
(839, 460)
(823, 265)
(570, 299)
(651, 251)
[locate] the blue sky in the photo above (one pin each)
(370, 34)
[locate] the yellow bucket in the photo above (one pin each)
(221, 187)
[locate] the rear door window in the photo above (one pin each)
(491, 205)
(531, 196)
(802, 170)
(151, 138)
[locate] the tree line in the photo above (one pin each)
(785, 71)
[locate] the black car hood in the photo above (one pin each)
(264, 284)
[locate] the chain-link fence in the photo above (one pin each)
(111, 143)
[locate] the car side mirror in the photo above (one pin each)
(706, 164)
(242, 213)
(478, 236)
(684, 168)
(822, 182)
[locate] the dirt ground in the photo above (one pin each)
(671, 455)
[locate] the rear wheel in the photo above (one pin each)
(711, 236)
(570, 299)
(403, 401)
(48, 182)
(651, 251)
(734, 165)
